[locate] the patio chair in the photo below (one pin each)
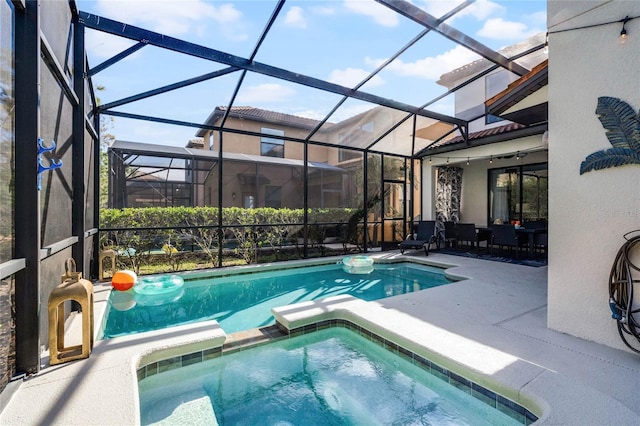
(425, 236)
(540, 241)
(450, 235)
(506, 236)
(466, 232)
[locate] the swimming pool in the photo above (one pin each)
(242, 301)
(332, 376)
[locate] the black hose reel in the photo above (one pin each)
(621, 282)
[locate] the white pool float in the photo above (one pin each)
(359, 264)
(154, 291)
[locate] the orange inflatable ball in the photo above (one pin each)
(124, 280)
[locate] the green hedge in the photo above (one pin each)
(278, 228)
(195, 216)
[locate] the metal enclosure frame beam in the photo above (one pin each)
(27, 197)
(421, 17)
(131, 32)
(169, 87)
(78, 207)
(261, 39)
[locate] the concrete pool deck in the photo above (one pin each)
(491, 327)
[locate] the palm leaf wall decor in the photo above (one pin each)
(622, 126)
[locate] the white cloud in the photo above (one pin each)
(431, 67)
(295, 18)
(380, 14)
(349, 77)
(479, 10)
(269, 92)
(538, 19)
(175, 18)
(499, 29)
(323, 10)
(482, 9)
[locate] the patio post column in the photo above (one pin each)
(220, 229)
(78, 152)
(27, 196)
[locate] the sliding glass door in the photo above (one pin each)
(518, 194)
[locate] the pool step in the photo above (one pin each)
(248, 338)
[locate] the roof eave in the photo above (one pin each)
(518, 90)
(538, 129)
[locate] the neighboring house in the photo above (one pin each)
(269, 172)
(500, 172)
(264, 166)
(336, 176)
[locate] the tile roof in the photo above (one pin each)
(521, 88)
(474, 136)
(267, 116)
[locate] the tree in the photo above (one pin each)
(106, 140)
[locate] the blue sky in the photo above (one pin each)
(341, 41)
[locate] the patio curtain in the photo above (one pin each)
(448, 191)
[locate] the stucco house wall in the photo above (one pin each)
(589, 213)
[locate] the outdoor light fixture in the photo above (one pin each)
(518, 155)
(623, 33)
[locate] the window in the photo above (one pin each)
(271, 147)
(249, 200)
(348, 154)
(518, 193)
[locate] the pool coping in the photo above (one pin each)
(102, 389)
(266, 335)
(305, 316)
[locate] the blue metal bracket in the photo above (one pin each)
(55, 164)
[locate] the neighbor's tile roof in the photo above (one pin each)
(274, 117)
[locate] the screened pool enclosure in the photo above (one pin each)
(347, 179)
(240, 142)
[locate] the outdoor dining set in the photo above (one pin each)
(529, 239)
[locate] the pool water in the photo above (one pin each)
(244, 301)
(329, 377)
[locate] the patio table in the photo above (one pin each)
(529, 232)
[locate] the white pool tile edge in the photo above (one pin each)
(526, 384)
